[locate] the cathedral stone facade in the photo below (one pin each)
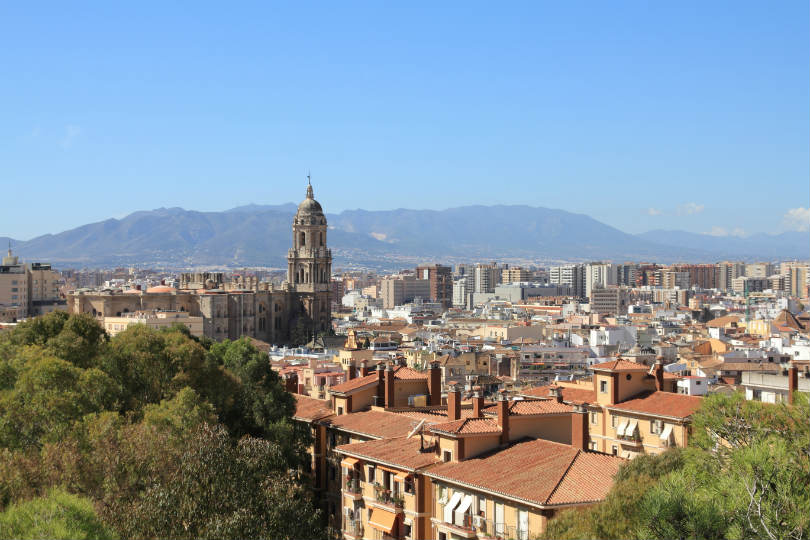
(271, 314)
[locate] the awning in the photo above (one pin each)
(349, 462)
(383, 520)
(389, 469)
(462, 509)
(448, 508)
(667, 433)
(620, 430)
(400, 477)
(631, 428)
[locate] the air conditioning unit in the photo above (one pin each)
(478, 521)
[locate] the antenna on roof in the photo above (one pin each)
(419, 425)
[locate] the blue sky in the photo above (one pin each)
(644, 115)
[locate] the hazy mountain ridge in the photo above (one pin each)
(260, 235)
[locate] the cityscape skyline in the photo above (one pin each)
(659, 117)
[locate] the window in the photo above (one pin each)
(594, 417)
(614, 450)
(629, 376)
(592, 445)
(406, 530)
(654, 427)
(447, 456)
(482, 507)
(372, 473)
(340, 411)
(697, 383)
(603, 387)
(613, 420)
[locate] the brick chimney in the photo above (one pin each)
(435, 384)
(351, 373)
(658, 371)
(364, 370)
(380, 385)
(579, 427)
(502, 406)
(478, 405)
(453, 404)
(793, 382)
(555, 393)
(389, 386)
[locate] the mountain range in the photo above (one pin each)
(260, 235)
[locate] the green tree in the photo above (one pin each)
(56, 515)
(222, 490)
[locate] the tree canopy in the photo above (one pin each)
(145, 424)
(746, 474)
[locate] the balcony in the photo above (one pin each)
(386, 498)
(633, 440)
(353, 528)
(353, 488)
(478, 527)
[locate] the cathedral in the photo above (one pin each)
(277, 315)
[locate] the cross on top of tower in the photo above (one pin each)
(310, 195)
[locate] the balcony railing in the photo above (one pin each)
(487, 528)
(353, 527)
(385, 496)
(353, 486)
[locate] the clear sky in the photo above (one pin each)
(644, 115)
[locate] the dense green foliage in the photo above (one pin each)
(746, 474)
(167, 435)
(55, 515)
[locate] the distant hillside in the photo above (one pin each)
(260, 235)
(787, 245)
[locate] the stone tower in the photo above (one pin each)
(309, 261)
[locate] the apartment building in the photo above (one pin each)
(632, 408)
(610, 300)
(154, 319)
(516, 274)
(441, 282)
(398, 290)
(30, 289)
(387, 469)
(572, 275)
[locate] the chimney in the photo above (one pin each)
(364, 369)
(793, 382)
(435, 384)
(351, 373)
(502, 406)
(478, 405)
(659, 375)
(555, 392)
(579, 427)
(453, 404)
(380, 396)
(291, 383)
(389, 386)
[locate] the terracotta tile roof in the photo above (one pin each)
(661, 404)
(310, 409)
(434, 416)
(406, 374)
(375, 424)
(620, 364)
(401, 373)
(720, 322)
(468, 426)
(574, 395)
(538, 471)
(398, 451)
(532, 407)
(586, 479)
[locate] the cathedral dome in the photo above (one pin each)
(309, 206)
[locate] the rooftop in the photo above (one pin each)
(538, 471)
(662, 404)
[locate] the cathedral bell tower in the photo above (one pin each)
(309, 261)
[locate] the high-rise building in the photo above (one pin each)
(441, 282)
(611, 300)
(759, 270)
(626, 274)
(516, 274)
(599, 275)
(32, 289)
(728, 271)
(572, 275)
(401, 289)
(487, 276)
